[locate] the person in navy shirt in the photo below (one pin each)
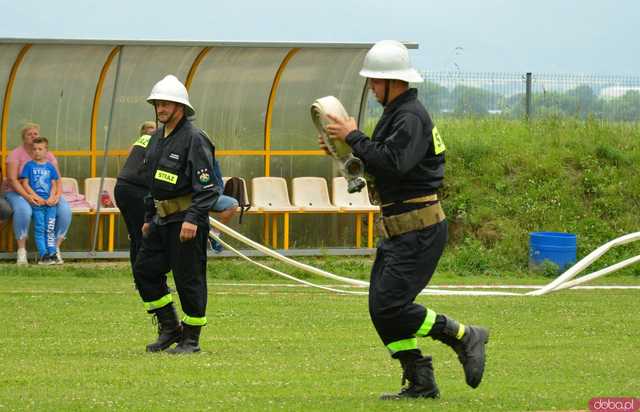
(38, 178)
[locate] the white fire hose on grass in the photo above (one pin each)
(564, 281)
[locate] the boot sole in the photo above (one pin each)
(398, 397)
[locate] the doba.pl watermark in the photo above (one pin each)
(614, 405)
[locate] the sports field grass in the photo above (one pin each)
(73, 339)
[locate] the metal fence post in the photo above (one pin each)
(527, 103)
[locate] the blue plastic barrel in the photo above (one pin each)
(559, 248)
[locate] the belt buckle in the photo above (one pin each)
(159, 208)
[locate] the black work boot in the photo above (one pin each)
(470, 348)
(169, 328)
(189, 342)
(419, 374)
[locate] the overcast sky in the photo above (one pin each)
(556, 36)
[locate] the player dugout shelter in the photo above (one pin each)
(252, 99)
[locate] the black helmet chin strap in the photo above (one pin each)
(155, 113)
(386, 92)
(173, 114)
(170, 119)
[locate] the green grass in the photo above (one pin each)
(73, 339)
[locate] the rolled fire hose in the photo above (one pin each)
(560, 283)
(351, 168)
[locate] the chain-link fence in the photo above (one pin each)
(527, 95)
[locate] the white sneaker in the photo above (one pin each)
(58, 258)
(22, 257)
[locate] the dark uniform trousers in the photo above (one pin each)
(403, 267)
(130, 200)
(161, 252)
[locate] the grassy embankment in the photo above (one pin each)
(505, 179)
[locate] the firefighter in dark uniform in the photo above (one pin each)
(405, 157)
(131, 188)
(179, 171)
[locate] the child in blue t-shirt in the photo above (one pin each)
(39, 179)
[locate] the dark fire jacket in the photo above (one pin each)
(179, 164)
(405, 153)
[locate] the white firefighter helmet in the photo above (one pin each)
(171, 89)
(389, 59)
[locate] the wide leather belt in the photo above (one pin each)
(389, 226)
(168, 207)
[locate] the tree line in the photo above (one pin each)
(579, 102)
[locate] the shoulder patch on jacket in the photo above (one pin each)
(438, 143)
(203, 176)
(143, 141)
